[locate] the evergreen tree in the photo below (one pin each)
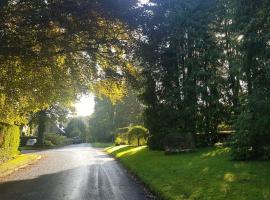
(253, 138)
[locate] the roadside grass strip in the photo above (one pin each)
(208, 174)
(16, 163)
(101, 145)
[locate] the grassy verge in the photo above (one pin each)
(35, 148)
(208, 174)
(101, 145)
(19, 161)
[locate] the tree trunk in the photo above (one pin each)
(41, 127)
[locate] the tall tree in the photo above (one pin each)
(252, 138)
(54, 49)
(184, 69)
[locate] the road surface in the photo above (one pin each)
(75, 172)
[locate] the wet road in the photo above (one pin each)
(76, 172)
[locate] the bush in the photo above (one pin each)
(135, 135)
(48, 143)
(9, 141)
(57, 140)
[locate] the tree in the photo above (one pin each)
(252, 138)
(182, 74)
(56, 114)
(109, 117)
(51, 51)
(138, 132)
(77, 128)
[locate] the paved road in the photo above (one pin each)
(76, 172)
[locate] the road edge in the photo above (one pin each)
(11, 171)
(151, 194)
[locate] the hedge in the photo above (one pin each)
(9, 141)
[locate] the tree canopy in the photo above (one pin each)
(50, 51)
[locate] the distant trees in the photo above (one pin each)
(76, 127)
(109, 117)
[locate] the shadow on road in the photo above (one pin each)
(93, 182)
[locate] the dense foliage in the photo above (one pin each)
(50, 51)
(9, 141)
(77, 127)
(206, 63)
(54, 140)
(109, 117)
(134, 135)
(202, 64)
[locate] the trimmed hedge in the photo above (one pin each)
(9, 141)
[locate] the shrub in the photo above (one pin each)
(135, 135)
(57, 140)
(48, 143)
(9, 141)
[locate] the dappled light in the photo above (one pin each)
(131, 151)
(205, 174)
(177, 91)
(229, 177)
(215, 152)
(115, 148)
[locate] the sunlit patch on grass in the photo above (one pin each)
(205, 170)
(225, 187)
(130, 151)
(115, 148)
(18, 161)
(216, 152)
(229, 177)
(205, 174)
(266, 194)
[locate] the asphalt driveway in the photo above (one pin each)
(75, 172)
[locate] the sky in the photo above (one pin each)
(85, 105)
(144, 1)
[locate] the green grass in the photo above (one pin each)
(35, 148)
(17, 162)
(208, 174)
(101, 145)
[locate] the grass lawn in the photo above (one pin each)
(34, 148)
(208, 174)
(101, 145)
(17, 162)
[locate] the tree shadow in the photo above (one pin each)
(95, 182)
